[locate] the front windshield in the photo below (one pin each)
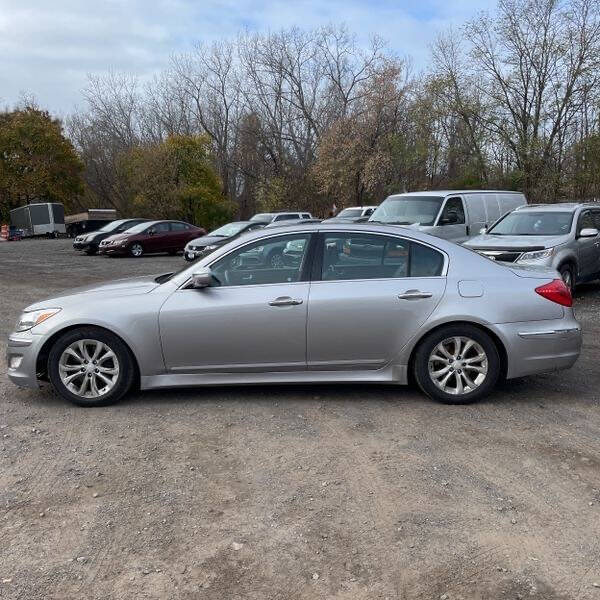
(408, 210)
(351, 212)
(534, 223)
(262, 217)
(228, 230)
(140, 227)
(112, 225)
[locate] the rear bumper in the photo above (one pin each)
(23, 348)
(541, 346)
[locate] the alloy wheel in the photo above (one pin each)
(137, 250)
(458, 365)
(88, 368)
(276, 261)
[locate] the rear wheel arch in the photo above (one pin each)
(44, 353)
(502, 353)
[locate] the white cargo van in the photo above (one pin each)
(452, 215)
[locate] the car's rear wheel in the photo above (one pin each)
(566, 273)
(457, 364)
(136, 250)
(90, 366)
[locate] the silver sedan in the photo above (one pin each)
(346, 303)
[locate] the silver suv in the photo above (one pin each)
(563, 236)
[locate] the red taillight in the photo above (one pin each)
(556, 291)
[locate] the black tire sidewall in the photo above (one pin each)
(126, 365)
(569, 268)
(421, 363)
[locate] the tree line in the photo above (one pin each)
(307, 119)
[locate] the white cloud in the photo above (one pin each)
(49, 46)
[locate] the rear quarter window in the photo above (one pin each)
(425, 261)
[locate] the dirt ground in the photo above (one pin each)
(345, 492)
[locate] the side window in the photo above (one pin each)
(425, 261)
(453, 213)
(161, 227)
(305, 216)
(364, 256)
(596, 219)
(585, 221)
(285, 217)
(275, 260)
(179, 227)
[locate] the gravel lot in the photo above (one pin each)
(346, 492)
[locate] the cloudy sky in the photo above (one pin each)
(47, 47)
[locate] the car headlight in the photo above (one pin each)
(34, 317)
(210, 247)
(536, 255)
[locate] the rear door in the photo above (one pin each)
(369, 295)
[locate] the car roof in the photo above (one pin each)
(558, 207)
(454, 192)
(366, 227)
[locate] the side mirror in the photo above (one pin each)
(588, 232)
(483, 230)
(152, 232)
(203, 279)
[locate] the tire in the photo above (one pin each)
(91, 251)
(275, 259)
(568, 276)
(136, 250)
(449, 392)
(76, 346)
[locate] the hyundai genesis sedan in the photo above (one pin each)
(367, 303)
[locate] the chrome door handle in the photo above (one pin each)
(285, 301)
(414, 295)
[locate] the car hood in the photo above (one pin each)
(208, 240)
(119, 287)
(509, 242)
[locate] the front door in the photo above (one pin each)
(587, 248)
(158, 237)
(254, 321)
(452, 224)
(372, 294)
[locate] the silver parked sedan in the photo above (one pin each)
(363, 303)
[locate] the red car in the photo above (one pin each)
(151, 237)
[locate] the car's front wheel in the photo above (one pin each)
(136, 250)
(90, 366)
(566, 274)
(457, 364)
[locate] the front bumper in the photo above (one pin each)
(83, 245)
(112, 250)
(22, 352)
(191, 255)
(541, 346)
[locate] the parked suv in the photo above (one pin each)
(151, 237)
(280, 216)
(90, 242)
(452, 215)
(563, 236)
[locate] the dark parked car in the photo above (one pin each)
(151, 237)
(90, 242)
(206, 244)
